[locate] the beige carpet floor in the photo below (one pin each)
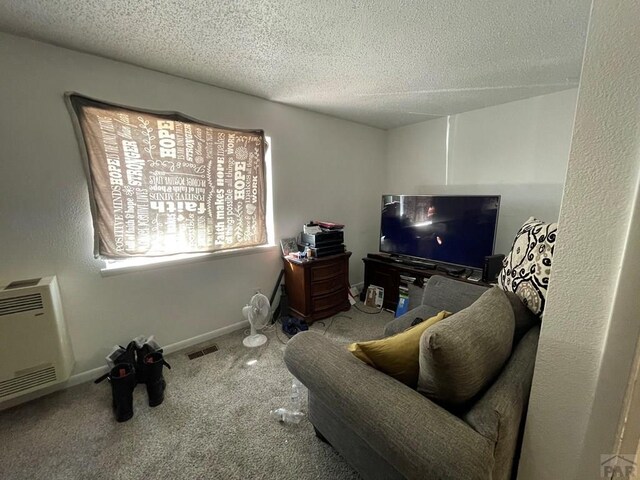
(213, 424)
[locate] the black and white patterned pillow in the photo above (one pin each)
(527, 268)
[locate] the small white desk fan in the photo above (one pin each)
(257, 312)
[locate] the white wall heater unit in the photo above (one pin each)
(35, 351)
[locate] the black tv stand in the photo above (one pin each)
(451, 270)
(384, 270)
(407, 261)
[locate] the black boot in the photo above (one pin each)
(118, 356)
(141, 353)
(123, 381)
(128, 356)
(152, 373)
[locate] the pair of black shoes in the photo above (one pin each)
(134, 365)
(293, 325)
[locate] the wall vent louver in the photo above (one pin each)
(35, 349)
(27, 381)
(20, 304)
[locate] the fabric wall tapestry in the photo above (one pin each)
(527, 268)
(163, 183)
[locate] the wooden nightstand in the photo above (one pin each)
(317, 288)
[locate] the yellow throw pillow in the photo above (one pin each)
(398, 355)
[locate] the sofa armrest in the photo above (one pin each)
(498, 414)
(416, 436)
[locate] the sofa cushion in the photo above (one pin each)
(397, 355)
(527, 268)
(462, 354)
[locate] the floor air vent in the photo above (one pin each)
(202, 352)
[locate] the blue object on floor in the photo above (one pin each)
(289, 327)
(301, 324)
(293, 325)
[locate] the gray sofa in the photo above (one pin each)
(387, 430)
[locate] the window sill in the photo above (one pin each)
(140, 264)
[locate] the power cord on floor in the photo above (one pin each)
(326, 327)
(377, 311)
(278, 322)
(277, 325)
(331, 321)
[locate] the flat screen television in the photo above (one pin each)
(450, 229)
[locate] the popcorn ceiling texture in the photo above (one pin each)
(382, 63)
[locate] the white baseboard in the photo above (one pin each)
(205, 337)
(91, 375)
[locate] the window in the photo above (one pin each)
(165, 184)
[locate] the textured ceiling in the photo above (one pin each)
(384, 63)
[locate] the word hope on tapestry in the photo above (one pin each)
(163, 184)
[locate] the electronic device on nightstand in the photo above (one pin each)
(324, 243)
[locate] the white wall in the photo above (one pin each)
(518, 150)
(590, 328)
(416, 156)
(324, 168)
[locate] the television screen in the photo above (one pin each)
(458, 230)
